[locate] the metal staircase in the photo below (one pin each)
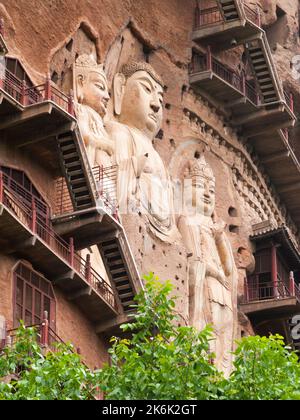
(264, 71)
(229, 10)
(77, 171)
(120, 265)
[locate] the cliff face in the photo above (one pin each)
(47, 36)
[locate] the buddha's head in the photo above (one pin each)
(200, 193)
(91, 84)
(138, 98)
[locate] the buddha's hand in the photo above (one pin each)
(218, 227)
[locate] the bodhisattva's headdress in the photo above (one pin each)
(86, 63)
(199, 168)
(133, 66)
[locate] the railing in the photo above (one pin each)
(213, 15)
(26, 197)
(130, 261)
(271, 291)
(289, 100)
(252, 15)
(32, 95)
(45, 335)
(2, 27)
(205, 62)
(29, 216)
(105, 178)
(207, 17)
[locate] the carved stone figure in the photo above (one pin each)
(212, 272)
(143, 181)
(91, 100)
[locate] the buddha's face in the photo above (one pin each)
(93, 91)
(204, 196)
(142, 104)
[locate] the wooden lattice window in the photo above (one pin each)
(33, 294)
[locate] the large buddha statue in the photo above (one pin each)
(91, 100)
(143, 184)
(212, 270)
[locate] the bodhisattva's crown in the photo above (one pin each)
(86, 63)
(200, 169)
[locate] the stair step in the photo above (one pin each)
(115, 271)
(69, 155)
(73, 164)
(115, 253)
(75, 172)
(114, 259)
(126, 295)
(128, 303)
(82, 197)
(113, 266)
(120, 274)
(266, 80)
(261, 74)
(80, 189)
(121, 280)
(124, 287)
(257, 53)
(108, 243)
(77, 181)
(68, 147)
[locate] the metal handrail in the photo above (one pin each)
(205, 62)
(31, 219)
(269, 291)
(213, 16)
(30, 95)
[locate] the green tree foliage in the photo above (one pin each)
(161, 360)
(158, 360)
(264, 369)
(28, 373)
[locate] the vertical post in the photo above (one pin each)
(2, 27)
(209, 58)
(71, 105)
(88, 268)
(244, 84)
(45, 330)
(246, 290)
(33, 221)
(71, 243)
(292, 284)
(292, 102)
(48, 90)
(258, 16)
(24, 98)
(1, 187)
(197, 17)
(274, 269)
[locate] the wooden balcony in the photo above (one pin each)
(270, 301)
(222, 83)
(32, 117)
(226, 24)
(282, 166)
(25, 234)
(100, 225)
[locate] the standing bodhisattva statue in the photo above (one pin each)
(212, 271)
(143, 183)
(91, 100)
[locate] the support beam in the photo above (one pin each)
(275, 157)
(293, 186)
(112, 323)
(262, 113)
(68, 275)
(28, 243)
(41, 136)
(27, 114)
(86, 291)
(258, 129)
